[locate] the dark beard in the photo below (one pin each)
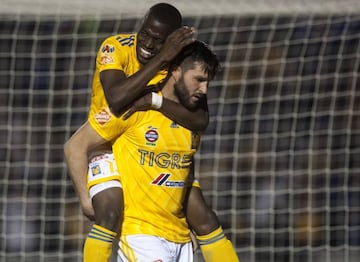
(183, 95)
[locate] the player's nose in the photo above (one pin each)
(203, 88)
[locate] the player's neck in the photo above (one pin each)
(168, 90)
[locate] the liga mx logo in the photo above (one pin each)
(107, 49)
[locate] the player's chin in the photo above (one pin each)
(193, 103)
(143, 60)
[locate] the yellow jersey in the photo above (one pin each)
(153, 155)
(116, 52)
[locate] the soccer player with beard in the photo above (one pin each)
(127, 66)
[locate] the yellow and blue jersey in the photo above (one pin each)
(116, 52)
(153, 154)
(154, 157)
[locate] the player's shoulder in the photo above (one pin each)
(125, 40)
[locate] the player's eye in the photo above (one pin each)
(158, 41)
(143, 33)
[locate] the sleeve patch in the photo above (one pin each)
(103, 116)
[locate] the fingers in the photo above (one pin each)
(183, 36)
(180, 38)
(187, 31)
(90, 217)
(194, 241)
(89, 213)
(142, 104)
(177, 41)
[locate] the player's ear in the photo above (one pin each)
(176, 73)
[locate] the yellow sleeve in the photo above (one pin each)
(113, 127)
(113, 55)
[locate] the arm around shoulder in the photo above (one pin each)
(196, 120)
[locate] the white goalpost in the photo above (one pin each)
(279, 162)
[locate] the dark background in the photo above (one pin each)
(279, 161)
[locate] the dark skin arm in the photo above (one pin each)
(198, 214)
(196, 120)
(134, 86)
(120, 90)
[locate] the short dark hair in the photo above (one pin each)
(197, 51)
(166, 14)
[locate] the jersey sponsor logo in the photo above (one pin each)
(129, 41)
(163, 180)
(103, 116)
(107, 49)
(106, 59)
(160, 179)
(164, 159)
(151, 136)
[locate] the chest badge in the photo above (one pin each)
(151, 136)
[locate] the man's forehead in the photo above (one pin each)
(197, 69)
(156, 27)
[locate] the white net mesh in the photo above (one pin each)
(116, 8)
(279, 161)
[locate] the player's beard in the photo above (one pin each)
(183, 94)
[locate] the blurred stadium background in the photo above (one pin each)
(280, 161)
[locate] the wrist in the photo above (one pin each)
(156, 100)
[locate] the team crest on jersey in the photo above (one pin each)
(151, 136)
(103, 116)
(95, 170)
(195, 140)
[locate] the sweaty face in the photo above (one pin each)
(150, 39)
(191, 87)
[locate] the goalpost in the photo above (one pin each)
(279, 162)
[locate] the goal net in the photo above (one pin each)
(279, 162)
